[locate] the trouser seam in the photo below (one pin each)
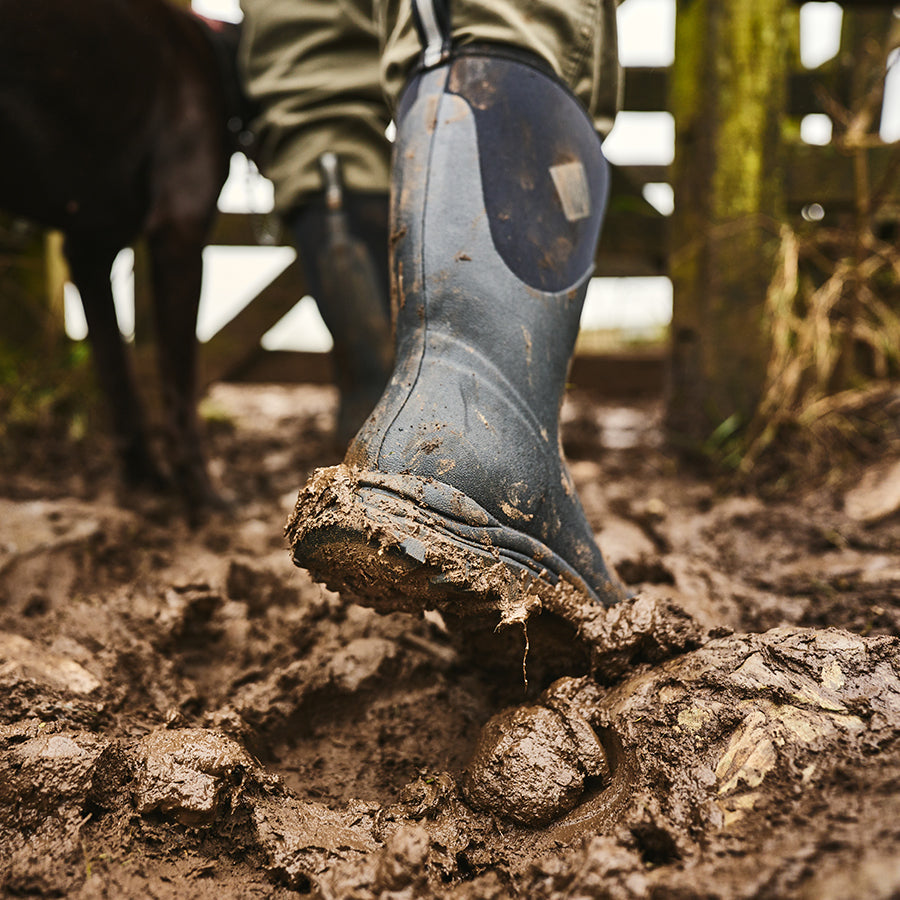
(575, 60)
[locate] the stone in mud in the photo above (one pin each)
(531, 764)
(189, 774)
(877, 494)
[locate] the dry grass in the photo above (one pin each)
(833, 306)
(835, 353)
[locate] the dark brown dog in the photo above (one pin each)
(118, 118)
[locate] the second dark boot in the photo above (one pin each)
(342, 238)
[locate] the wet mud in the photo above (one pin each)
(184, 713)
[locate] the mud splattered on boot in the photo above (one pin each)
(401, 543)
(455, 493)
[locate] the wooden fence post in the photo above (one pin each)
(728, 95)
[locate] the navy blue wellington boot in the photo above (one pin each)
(455, 495)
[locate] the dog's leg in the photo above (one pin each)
(177, 264)
(188, 169)
(90, 267)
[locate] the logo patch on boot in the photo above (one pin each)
(571, 184)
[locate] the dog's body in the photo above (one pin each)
(116, 120)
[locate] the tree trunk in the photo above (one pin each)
(728, 94)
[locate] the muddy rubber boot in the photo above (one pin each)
(455, 495)
(342, 237)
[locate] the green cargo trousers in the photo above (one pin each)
(327, 73)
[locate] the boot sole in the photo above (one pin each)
(399, 542)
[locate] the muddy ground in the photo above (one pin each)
(184, 714)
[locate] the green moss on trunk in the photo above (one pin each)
(728, 97)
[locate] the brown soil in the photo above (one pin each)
(185, 714)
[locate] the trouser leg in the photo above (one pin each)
(312, 68)
(576, 39)
(326, 73)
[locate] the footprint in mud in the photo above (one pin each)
(743, 724)
(533, 764)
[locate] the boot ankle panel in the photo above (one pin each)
(544, 181)
(544, 178)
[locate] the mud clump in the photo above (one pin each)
(305, 844)
(531, 764)
(22, 658)
(641, 629)
(189, 774)
(43, 769)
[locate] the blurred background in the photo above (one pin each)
(619, 311)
